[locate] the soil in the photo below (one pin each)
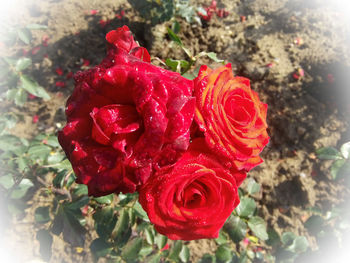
(266, 41)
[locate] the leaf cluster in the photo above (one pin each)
(341, 160)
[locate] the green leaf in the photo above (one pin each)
(132, 216)
(336, 166)
(124, 199)
(20, 150)
(246, 207)
(184, 254)
(25, 35)
(58, 181)
(21, 190)
(10, 37)
(274, 238)
(38, 138)
(54, 158)
(155, 258)
(70, 180)
(45, 239)
(42, 214)
(185, 10)
(328, 153)
(250, 254)
(139, 211)
(23, 164)
(105, 221)
(73, 231)
(149, 236)
(258, 226)
(11, 94)
(223, 253)
(287, 238)
(33, 87)
(236, 228)
(53, 141)
(161, 241)
(58, 222)
(8, 77)
(155, 11)
(207, 258)
(107, 199)
(79, 203)
(10, 120)
(314, 224)
(100, 248)
(176, 65)
(80, 189)
(142, 226)
(253, 187)
(74, 213)
(132, 249)
(9, 142)
(36, 26)
(145, 250)
(222, 239)
(20, 97)
(23, 63)
(299, 245)
(121, 231)
(24, 141)
(16, 206)
(176, 27)
(64, 165)
(189, 76)
(41, 93)
(213, 57)
(10, 60)
(7, 181)
(39, 152)
(345, 150)
(175, 250)
(174, 37)
(243, 258)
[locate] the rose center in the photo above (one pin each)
(194, 196)
(112, 123)
(240, 110)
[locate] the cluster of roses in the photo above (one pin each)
(184, 145)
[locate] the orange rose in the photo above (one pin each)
(231, 116)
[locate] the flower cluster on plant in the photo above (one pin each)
(184, 145)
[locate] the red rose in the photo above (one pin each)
(121, 38)
(193, 198)
(231, 116)
(125, 118)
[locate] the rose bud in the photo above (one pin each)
(231, 116)
(125, 118)
(193, 198)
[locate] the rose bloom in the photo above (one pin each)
(192, 198)
(125, 118)
(231, 116)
